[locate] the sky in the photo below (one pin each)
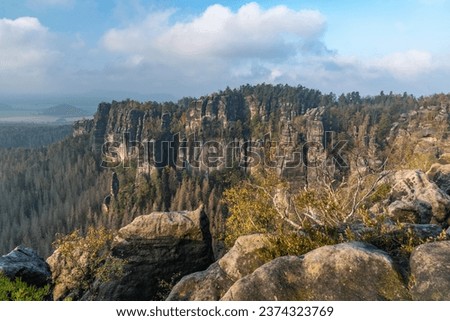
(174, 48)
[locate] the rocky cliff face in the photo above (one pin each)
(82, 127)
(238, 128)
(212, 133)
(427, 127)
(158, 248)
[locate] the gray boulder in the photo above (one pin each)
(26, 264)
(208, 285)
(248, 253)
(348, 271)
(278, 280)
(430, 271)
(440, 174)
(414, 198)
(159, 249)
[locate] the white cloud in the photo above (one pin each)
(217, 48)
(404, 65)
(137, 38)
(222, 47)
(78, 43)
(414, 71)
(219, 33)
(25, 52)
(23, 43)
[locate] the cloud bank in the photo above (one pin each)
(219, 33)
(161, 53)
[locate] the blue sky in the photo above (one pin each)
(190, 48)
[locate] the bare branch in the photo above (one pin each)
(284, 216)
(356, 204)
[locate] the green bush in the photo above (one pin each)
(17, 290)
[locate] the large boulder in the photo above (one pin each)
(430, 271)
(26, 264)
(414, 198)
(440, 174)
(248, 253)
(348, 271)
(159, 249)
(208, 285)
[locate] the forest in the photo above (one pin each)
(31, 135)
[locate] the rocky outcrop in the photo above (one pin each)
(430, 271)
(425, 128)
(82, 127)
(208, 285)
(100, 125)
(26, 264)
(440, 174)
(61, 271)
(414, 198)
(158, 248)
(220, 117)
(274, 281)
(349, 271)
(248, 253)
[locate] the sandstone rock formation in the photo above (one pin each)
(60, 271)
(26, 264)
(430, 271)
(348, 271)
(158, 247)
(440, 174)
(248, 253)
(414, 198)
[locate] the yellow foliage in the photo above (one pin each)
(87, 258)
(264, 205)
(298, 222)
(420, 161)
(252, 209)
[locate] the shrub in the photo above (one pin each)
(17, 290)
(264, 204)
(300, 221)
(87, 259)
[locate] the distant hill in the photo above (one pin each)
(65, 110)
